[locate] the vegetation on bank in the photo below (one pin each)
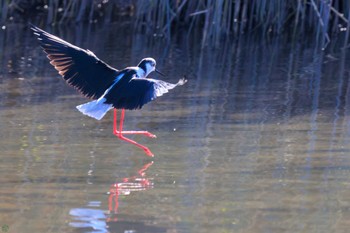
(323, 19)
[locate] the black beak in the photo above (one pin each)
(159, 72)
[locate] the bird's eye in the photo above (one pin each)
(153, 64)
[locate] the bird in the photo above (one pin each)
(109, 88)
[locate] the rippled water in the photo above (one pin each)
(256, 141)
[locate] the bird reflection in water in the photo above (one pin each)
(100, 221)
(125, 187)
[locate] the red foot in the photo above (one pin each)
(146, 133)
(147, 151)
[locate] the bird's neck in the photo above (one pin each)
(141, 73)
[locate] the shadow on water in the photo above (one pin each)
(256, 141)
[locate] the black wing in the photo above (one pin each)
(80, 68)
(137, 92)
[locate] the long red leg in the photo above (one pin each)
(119, 133)
(146, 133)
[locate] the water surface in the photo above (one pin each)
(256, 141)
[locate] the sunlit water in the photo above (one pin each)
(256, 141)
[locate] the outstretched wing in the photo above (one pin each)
(80, 68)
(138, 91)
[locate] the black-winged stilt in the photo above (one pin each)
(109, 88)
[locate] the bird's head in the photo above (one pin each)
(148, 65)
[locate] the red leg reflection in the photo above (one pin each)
(113, 196)
(126, 186)
(119, 133)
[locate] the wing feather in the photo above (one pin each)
(80, 68)
(138, 92)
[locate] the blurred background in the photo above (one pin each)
(215, 20)
(258, 140)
